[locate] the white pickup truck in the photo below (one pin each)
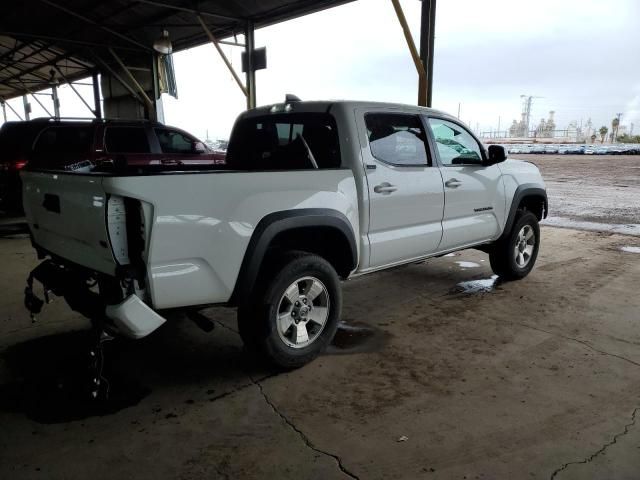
(312, 193)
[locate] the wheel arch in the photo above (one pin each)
(329, 232)
(529, 196)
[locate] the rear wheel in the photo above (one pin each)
(294, 315)
(514, 257)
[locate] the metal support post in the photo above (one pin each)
(56, 101)
(27, 107)
(4, 111)
(96, 95)
(251, 73)
(427, 41)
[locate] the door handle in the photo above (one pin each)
(453, 183)
(384, 188)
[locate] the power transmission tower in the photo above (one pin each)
(527, 102)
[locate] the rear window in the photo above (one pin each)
(60, 146)
(126, 140)
(283, 142)
(16, 140)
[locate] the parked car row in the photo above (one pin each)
(574, 149)
(77, 145)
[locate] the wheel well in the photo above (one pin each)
(328, 242)
(535, 204)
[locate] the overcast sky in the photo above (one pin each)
(579, 56)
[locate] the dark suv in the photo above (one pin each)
(77, 144)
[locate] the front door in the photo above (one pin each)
(406, 196)
(474, 193)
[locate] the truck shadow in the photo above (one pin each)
(50, 378)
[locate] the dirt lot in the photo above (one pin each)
(598, 192)
(434, 378)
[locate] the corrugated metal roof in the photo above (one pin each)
(72, 36)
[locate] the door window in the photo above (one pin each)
(126, 140)
(396, 139)
(172, 141)
(456, 146)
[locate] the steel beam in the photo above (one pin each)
(97, 24)
(147, 100)
(427, 42)
(249, 36)
(422, 74)
(224, 57)
(4, 102)
(75, 91)
(115, 75)
(190, 10)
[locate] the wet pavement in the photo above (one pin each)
(438, 370)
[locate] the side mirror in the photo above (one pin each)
(198, 147)
(497, 154)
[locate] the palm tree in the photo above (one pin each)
(603, 133)
(615, 123)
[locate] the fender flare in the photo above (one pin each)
(524, 190)
(282, 221)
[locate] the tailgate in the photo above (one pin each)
(66, 213)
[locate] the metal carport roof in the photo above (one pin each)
(69, 39)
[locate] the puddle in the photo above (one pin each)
(468, 264)
(484, 285)
(50, 380)
(630, 249)
(357, 337)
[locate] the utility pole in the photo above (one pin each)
(631, 130)
(458, 110)
(498, 125)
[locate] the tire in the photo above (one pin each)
(513, 257)
(285, 333)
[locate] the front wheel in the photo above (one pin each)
(514, 257)
(292, 319)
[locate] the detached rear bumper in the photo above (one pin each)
(129, 317)
(133, 318)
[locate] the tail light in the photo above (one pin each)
(20, 164)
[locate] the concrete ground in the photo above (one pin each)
(431, 377)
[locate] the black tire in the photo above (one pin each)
(257, 319)
(503, 257)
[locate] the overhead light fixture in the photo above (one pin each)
(163, 44)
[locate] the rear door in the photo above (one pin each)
(406, 196)
(67, 216)
(474, 193)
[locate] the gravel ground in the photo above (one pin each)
(586, 191)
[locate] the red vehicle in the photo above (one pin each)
(86, 144)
